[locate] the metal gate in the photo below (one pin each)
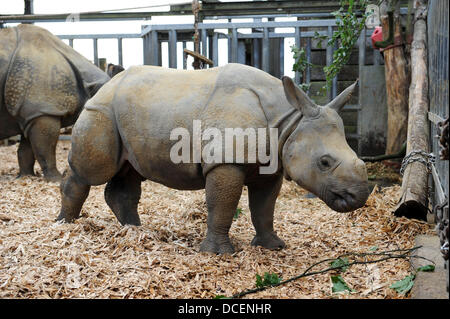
(438, 52)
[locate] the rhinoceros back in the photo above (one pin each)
(43, 79)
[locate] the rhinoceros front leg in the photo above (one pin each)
(122, 194)
(43, 135)
(262, 197)
(223, 191)
(25, 157)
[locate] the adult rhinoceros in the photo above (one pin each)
(123, 137)
(45, 84)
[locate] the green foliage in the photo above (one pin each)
(300, 65)
(268, 280)
(340, 263)
(339, 284)
(404, 285)
(237, 213)
(427, 268)
(348, 29)
(300, 59)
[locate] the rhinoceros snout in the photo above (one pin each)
(349, 199)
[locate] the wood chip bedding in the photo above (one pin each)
(96, 257)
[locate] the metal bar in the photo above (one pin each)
(204, 43)
(362, 48)
(71, 42)
(265, 50)
(234, 45)
(440, 193)
(335, 79)
(125, 16)
(184, 56)
(246, 25)
(99, 36)
(95, 51)
(275, 35)
(173, 49)
(329, 60)
(215, 49)
(308, 60)
(297, 45)
(119, 51)
(154, 48)
(361, 63)
(281, 55)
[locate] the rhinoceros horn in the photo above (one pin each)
(338, 103)
(297, 98)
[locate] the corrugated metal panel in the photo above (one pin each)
(438, 51)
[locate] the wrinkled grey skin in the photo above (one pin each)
(122, 138)
(44, 84)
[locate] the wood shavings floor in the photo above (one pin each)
(95, 257)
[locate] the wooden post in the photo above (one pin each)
(414, 200)
(195, 11)
(397, 82)
(102, 64)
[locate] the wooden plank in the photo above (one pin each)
(199, 56)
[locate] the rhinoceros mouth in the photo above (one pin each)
(344, 200)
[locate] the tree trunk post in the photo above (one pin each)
(397, 80)
(414, 200)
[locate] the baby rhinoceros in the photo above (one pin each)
(124, 136)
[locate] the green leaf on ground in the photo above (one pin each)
(339, 284)
(404, 285)
(267, 280)
(237, 213)
(340, 263)
(427, 268)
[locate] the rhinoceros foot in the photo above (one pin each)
(53, 177)
(269, 241)
(218, 245)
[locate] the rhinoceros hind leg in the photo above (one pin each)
(223, 191)
(43, 135)
(122, 194)
(262, 197)
(73, 194)
(25, 157)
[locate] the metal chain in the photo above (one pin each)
(443, 139)
(441, 213)
(425, 158)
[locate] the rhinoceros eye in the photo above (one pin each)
(325, 162)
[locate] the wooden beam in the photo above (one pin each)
(199, 56)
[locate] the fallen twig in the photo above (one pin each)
(389, 254)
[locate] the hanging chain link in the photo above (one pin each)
(425, 158)
(441, 213)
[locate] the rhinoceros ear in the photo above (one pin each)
(339, 102)
(298, 98)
